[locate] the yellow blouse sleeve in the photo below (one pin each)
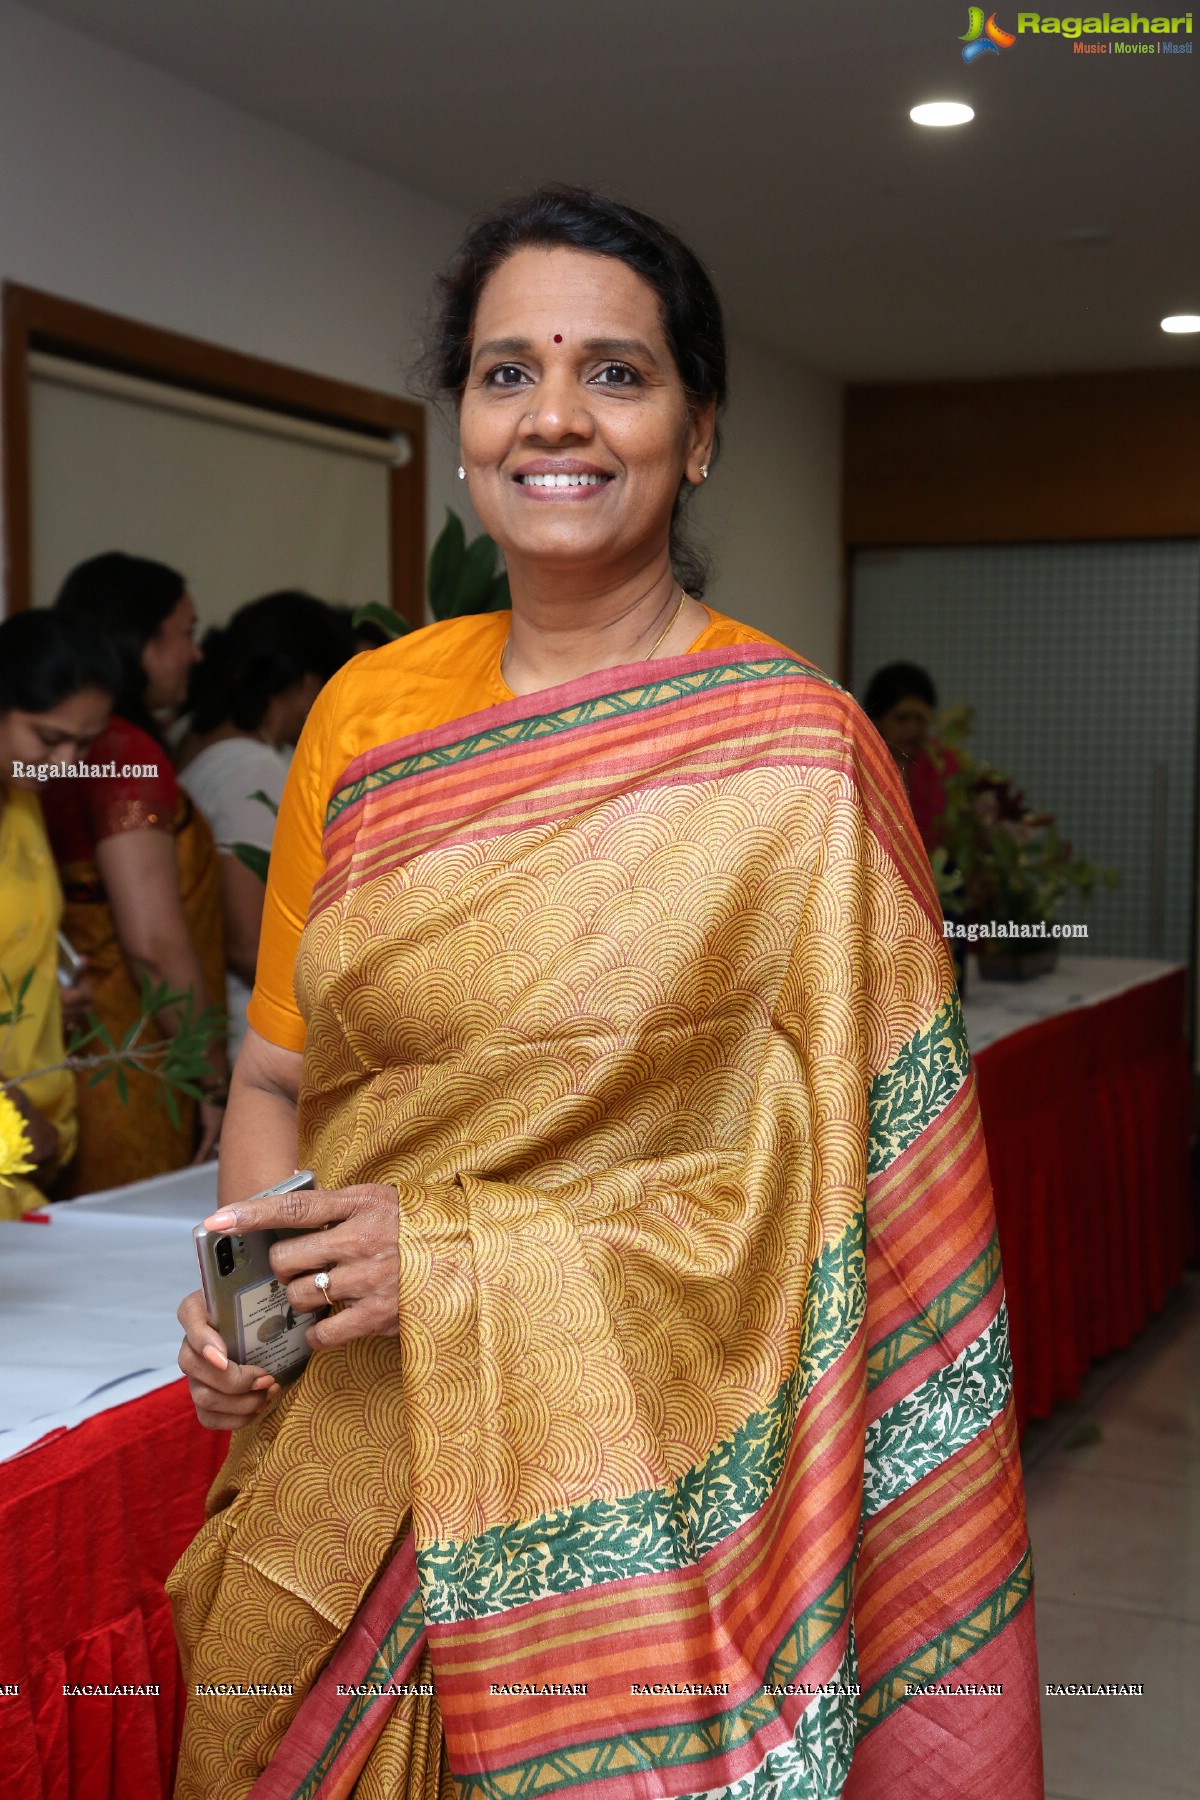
(30, 909)
(296, 865)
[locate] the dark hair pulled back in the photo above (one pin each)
(580, 219)
(127, 599)
(45, 660)
(267, 646)
(896, 682)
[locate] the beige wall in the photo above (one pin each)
(126, 189)
(771, 507)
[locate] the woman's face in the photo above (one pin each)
(905, 727)
(571, 377)
(168, 657)
(59, 736)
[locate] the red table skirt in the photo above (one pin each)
(90, 1525)
(1087, 1124)
(1087, 1118)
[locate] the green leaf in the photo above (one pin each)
(252, 857)
(500, 599)
(23, 985)
(476, 578)
(1083, 1436)
(272, 806)
(122, 1087)
(445, 566)
(372, 613)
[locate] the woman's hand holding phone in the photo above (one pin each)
(225, 1394)
(350, 1233)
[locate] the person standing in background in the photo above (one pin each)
(249, 697)
(900, 702)
(140, 872)
(56, 688)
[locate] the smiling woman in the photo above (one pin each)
(659, 1438)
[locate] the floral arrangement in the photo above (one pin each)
(1001, 859)
(16, 1150)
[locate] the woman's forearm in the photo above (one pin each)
(141, 877)
(258, 1144)
(177, 966)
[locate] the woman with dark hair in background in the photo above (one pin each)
(900, 702)
(56, 688)
(140, 871)
(248, 699)
(661, 1439)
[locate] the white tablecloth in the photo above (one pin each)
(995, 1009)
(87, 1301)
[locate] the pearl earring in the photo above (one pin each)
(462, 473)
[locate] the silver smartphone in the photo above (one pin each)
(245, 1302)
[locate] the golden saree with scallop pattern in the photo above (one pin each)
(692, 1467)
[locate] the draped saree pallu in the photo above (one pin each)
(693, 1469)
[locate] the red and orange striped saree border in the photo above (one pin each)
(370, 1673)
(512, 766)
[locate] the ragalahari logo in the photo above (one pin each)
(984, 38)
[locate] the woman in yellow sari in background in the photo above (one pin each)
(661, 1440)
(56, 688)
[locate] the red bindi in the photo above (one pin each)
(558, 337)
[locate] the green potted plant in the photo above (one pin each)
(462, 578)
(1005, 869)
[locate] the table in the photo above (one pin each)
(1085, 1089)
(1084, 1085)
(88, 1341)
(84, 1313)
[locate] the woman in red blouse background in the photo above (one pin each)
(140, 872)
(900, 702)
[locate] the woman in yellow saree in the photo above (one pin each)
(660, 1440)
(56, 689)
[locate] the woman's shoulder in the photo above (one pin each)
(230, 781)
(435, 646)
(726, 633)
(122, 741)
(22, 825)
(426, 678)
(233, 759)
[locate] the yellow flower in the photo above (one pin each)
(16, 1150)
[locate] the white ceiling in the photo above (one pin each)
(775, 134)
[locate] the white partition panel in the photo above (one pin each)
(1081, 661)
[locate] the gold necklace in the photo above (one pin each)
(649, 656)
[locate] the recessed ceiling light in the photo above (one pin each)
(942, 112)
(1182, 322)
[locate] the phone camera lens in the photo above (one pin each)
(225, 1256)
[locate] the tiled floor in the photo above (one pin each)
(1113, 1488)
